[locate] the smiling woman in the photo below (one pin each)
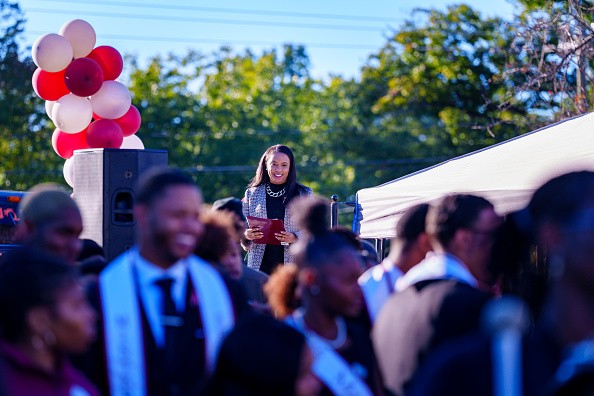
(268, 194)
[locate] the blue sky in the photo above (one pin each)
(339, 35)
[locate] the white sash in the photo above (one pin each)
(122, 321)
(331, 368)
(216, 309)
(377, 284)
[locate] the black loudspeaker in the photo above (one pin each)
(104, 183)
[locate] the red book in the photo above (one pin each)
(268, 227)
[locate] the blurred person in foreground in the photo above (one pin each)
(44, 316)
(264, 357)
(329, 266)
(557, 356)
(167, 309)
(440, 298)
(218, 243)
(407, 249)
(50, 220)
(253, 280)
(91, 259)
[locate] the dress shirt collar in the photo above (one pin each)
(390, 267)
(437, 266)
(148, 272)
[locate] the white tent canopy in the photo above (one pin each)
(506, 174)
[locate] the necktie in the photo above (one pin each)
(169, 315)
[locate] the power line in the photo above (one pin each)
(233, 11)
(217, 41)
(204, 20)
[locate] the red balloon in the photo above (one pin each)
(83, 77)
(109, 59)
(129, 122)
(105, 133)
(65, 143)
(49, 86)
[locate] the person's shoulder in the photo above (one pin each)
(252, 274)
(119, 260)
(234, 288)
(251, 190)
(374, 274)
(303, 190)
(77, 379)
(467, 292)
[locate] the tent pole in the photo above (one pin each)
(333, 211)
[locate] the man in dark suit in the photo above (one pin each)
(163, 311)
(560, 218)
(440, 298)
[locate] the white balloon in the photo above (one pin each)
(49, 104)
(112, 101)
(52, 52)
(68, 171)
(81, 36)
(132, 142)
(71, 113)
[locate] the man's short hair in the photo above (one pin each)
(230, 204)
(45, 202)
(412, 223)
(454, 212)
(154, 182)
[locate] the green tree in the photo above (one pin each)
(555, 68)
(442, 84)
(25, 147)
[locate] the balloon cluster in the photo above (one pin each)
(77, 80)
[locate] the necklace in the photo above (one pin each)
(341, 334)
(274, 194)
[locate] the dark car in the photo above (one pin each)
(9, 218)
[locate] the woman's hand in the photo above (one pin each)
(286, 237)
(253, 233)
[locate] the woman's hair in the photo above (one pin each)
(293, 187)
(217, 237)
(261, 356)
(281, 290)
(29, 278)
(319, 243)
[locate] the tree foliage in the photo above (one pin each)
(554, 63)
(446, 83)
(442, 83)
(26, 157)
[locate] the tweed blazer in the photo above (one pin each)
(254, 204)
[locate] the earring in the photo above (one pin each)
(314, 290)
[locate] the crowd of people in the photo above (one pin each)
(199, 307)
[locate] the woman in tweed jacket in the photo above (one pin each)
(267, 196)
